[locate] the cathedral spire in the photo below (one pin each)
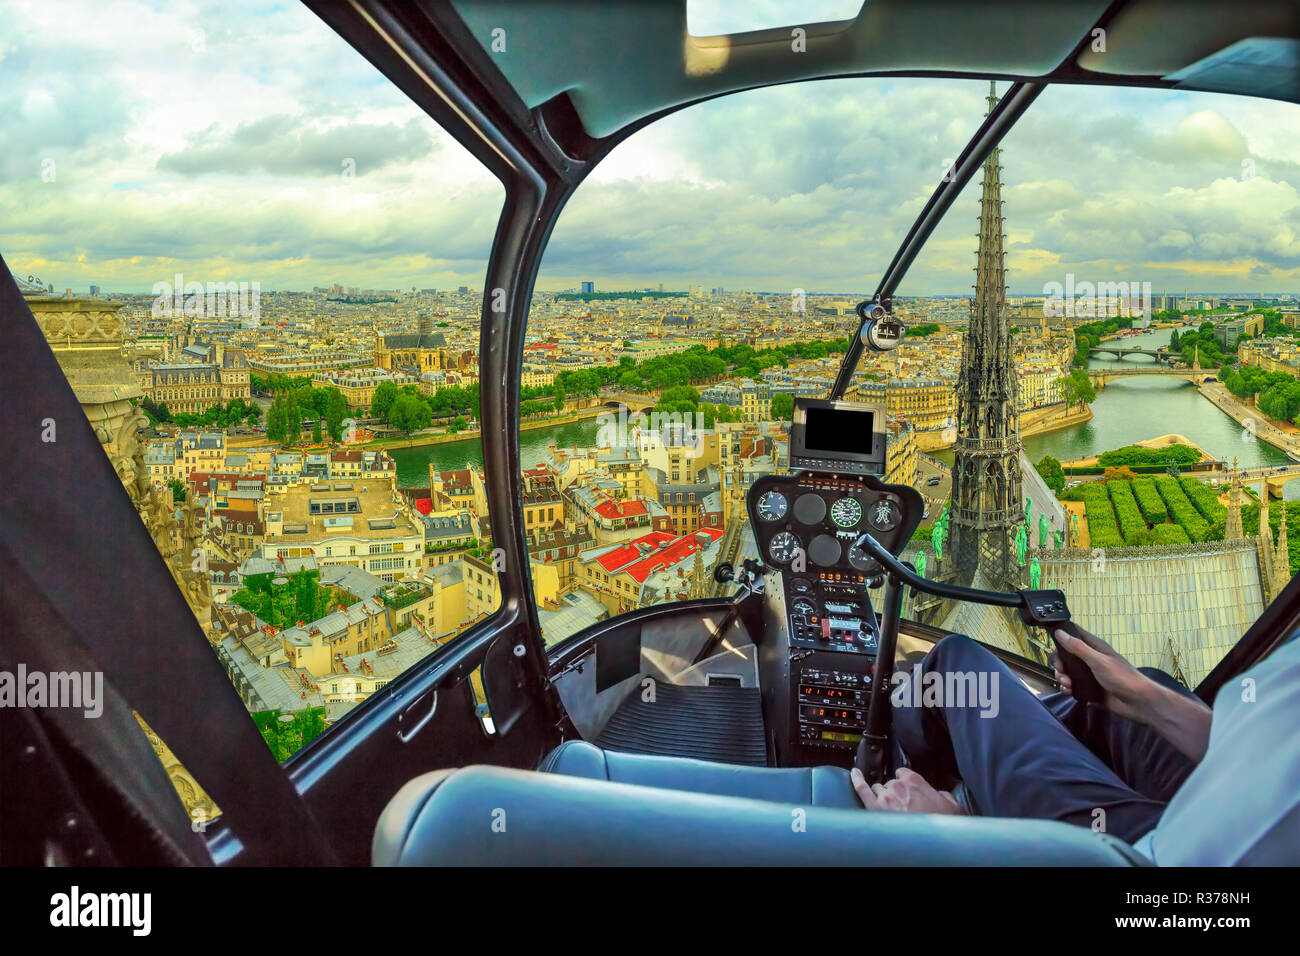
(1264, 546)
(1282, 556)
(1232, 528)
(986, 480)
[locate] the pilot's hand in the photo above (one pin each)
(1128, 690)
(908, 792)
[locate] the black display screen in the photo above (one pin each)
(839, 430)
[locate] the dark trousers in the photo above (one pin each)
(1049, 759)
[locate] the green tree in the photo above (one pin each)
(1084, 390)
(292, 420)
(1076, 388)
(1052, 473)
(335, 411)
(782, 407)
(178, 490)
(316, 431)
(382, 400)
(275, 420)
(408, 414)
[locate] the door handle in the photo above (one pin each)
(405, 735)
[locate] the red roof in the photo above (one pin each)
(621, 509)
(675, 549)
(423, 505)
(627, 552)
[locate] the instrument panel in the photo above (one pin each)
(808, 522)
(825, 631)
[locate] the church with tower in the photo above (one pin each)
(413, 352)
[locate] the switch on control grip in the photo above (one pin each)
(1083, 682)
(1048, 610)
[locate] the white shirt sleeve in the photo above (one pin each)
(1241, 805)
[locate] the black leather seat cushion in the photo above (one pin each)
(499, 816)
(795, 786)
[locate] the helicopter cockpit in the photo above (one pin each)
(774, 706)
(718, 721)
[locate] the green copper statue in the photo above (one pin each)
(1059, 538)
(1074, 530)
(1042, 530)
(1029, 512)
(920, 563)
(1035, 574)
(936, 539)
(1022, 541)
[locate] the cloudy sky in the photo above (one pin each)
(246, 141)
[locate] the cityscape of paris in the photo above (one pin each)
(271, 281)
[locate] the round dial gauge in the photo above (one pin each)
(860, 560)
(826, 550)
(847, 512)
(783, 547)
(803, 606)
(809, 508)
(771, 506)
(801, 586)
(884, 514)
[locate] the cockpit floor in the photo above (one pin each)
(718, 723)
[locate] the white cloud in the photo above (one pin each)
(212, 138)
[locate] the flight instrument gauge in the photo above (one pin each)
(885, 515)
(847, 512)
(771, 506)
(862, 561)
(803, 606)
(783, 547)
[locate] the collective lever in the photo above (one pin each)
(1040, 608)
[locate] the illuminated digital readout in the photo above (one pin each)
(830, 693)
(831, 713)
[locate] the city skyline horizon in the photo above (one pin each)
(124, 289)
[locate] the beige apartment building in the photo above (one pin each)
(1272, 355)
(198, 377)
(363, 523)
(363, 627)
(926, 403)
(358, 384)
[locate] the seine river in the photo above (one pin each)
(1126, 411)
(413, 463)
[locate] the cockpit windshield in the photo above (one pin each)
(1098, 323)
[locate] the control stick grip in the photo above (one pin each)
(1083, 682)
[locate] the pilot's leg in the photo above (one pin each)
(1015, 758)
(1142, 758)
